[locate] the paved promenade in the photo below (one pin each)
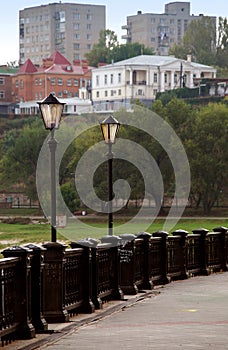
(189, 314)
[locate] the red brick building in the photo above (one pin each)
(57, 75)
(6, 74)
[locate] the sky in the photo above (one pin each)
(116, 16)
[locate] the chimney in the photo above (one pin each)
(189, 58)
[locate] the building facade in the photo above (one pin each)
(69, 28)
(142, 77)
(160, 31)
(57, 75)
(6, 99)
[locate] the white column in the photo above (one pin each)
(162, 82)
(172, 80)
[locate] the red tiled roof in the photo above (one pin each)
(58, 58)
(27, 67)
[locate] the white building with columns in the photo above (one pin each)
(118, 84)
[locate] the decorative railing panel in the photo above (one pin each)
(193, 254)
(174, 256)
(214, 249)
(155, 259)
(74, 279)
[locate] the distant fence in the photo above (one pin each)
(49, 283)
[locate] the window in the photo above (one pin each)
(2, 94)
(111, 79)
(97, 80)
(36, 82)
(155, 92)
(52, 81)
(76, 26)
(106, 93)
(60, 94)
(89, 26)
(76, 46)
(89, 36)
(41, 81)
(119, 92)
(62, 16)
(60, 81)
(69, 82)
(162, 20)
(155, 77)
(16, 83)
(172, 21)
(153, 20)
(119, 77)
(76, 15)
(76, 36)
(106, 79)
(89, 46)
(140, 92)
(2, 81)
(75, 82)
(153, 39)
(97, 94)
(89, 17)
(166, 78)
(175, 78)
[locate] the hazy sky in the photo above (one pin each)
(116, 16)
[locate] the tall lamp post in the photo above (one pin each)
(109, 128)
(51, 111)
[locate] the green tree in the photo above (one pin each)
(18, 164)
(108, 49)
(222, 44)
(102, 51)
(208, 155)
(125, 51)
(199, 41)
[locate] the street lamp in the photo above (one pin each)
(51, 110)
(109, 128)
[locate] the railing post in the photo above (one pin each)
(164, 275)
(147, 280)
(224, 244)
(114, 242)
(37, 265)
(23, 290)
(54, 283)
(203, 249)
(88, 306)
(183, 256)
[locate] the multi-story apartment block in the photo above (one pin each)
(142, 77)
(160, 31)
(57, 75)
(69, 28)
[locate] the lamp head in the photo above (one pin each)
(51, 111)
(110, 127)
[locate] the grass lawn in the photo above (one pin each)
(19, 234)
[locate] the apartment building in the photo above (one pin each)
(69, 28)
(142, 77)
(160, 31)
(57, 75)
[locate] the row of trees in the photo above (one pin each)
(203, 132)
(204, 43)
(201, 41)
